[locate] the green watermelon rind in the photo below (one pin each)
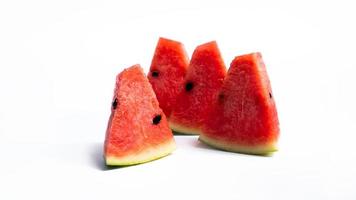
(263, 149)
(143, 156)
(183, 130)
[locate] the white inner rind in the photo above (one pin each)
(256, 149)
(183, 129)
(144, 156)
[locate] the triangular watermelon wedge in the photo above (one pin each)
(204, 78)
(244, 116)
(138, 130)
(168, 69)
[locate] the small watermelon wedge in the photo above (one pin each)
(168, 69)
(204, 78)
(244, 116)
(137, 130)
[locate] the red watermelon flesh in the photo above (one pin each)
(244, 117)
(204, 78)
(138, 130)
(168, 69)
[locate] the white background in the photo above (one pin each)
(59, 59)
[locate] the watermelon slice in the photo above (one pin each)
(138, 130)
(244, 117)
(168, 69)
(204, 78)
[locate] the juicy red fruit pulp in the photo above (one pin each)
(244, 113)
(167, 72)
(204, 78)
(137, 130)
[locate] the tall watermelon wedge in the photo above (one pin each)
(168, 69)
(204, 78)
(137, 130)
(244, 116)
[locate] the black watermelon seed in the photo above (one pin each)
(189, 86)
(114, 104)
(270, 95)
(156, 119)
(221, 97)
(155, 74)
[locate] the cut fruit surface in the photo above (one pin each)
(168, 69)
(204, 78)
(137, 130)
(243, 117)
